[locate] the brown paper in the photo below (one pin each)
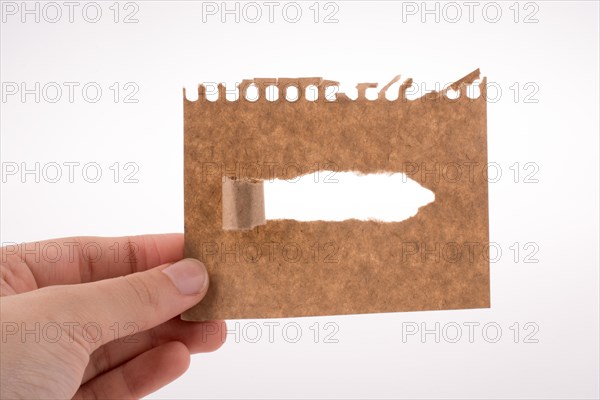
(243, 204)
(436, 260)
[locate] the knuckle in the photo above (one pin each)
(101, 360)
(145, 294)
(87, 392)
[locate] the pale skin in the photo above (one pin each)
(78, 323)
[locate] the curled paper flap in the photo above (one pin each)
(243, 204)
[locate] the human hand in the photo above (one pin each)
(99, 317)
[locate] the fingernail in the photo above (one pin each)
(188, 275)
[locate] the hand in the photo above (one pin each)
(99, 317)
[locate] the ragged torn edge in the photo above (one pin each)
(243, 199)
(282, 84)
(243, 202)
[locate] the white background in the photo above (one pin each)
(171, 47)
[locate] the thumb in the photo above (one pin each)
(113, 308)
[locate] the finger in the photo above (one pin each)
(104, 310)
(89, 259)
(198, 337)
(141, 376)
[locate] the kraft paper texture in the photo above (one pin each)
(243, 204)
(436, 260)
